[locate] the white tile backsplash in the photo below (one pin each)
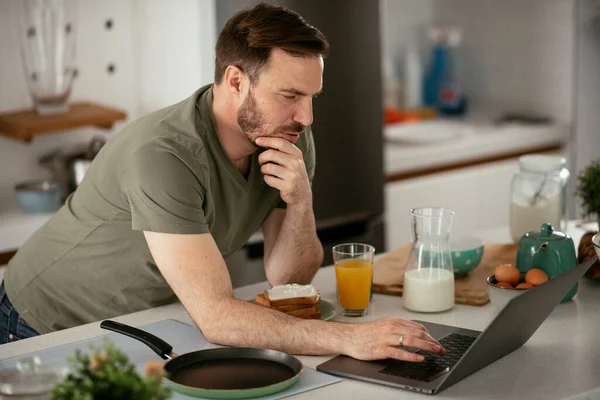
(162, 53)
(96, 48)
(515, 54)
(403, 22)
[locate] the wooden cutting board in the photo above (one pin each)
(388, 273)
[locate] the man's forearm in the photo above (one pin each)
(297, 254)
(237, 325)
(195, 269)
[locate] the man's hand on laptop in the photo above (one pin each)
(385, 338)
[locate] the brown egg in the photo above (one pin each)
(536, 276)
(504, 284)
(524, 286)
(507, 273)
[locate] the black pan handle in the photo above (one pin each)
(159, 346)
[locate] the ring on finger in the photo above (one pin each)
(401, 341)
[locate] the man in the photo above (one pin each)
(181, 188)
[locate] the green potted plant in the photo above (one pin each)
(107, 374)
(588, 190)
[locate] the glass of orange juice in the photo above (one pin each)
(354, 275)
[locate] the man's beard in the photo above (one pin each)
(252, 121)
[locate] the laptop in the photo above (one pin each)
(467, 351)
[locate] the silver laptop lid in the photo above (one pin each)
(515, 324)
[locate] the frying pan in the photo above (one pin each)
(234, 373)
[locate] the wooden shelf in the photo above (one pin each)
(24, 125)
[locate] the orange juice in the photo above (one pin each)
(354, 283)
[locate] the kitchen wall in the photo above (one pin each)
(404, 22)
(515, 54)
(161, 55)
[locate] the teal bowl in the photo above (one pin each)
(38, 196)
(467, 252)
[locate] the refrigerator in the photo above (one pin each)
(347, 128)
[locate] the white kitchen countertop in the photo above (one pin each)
(560, 361)
(484, 141)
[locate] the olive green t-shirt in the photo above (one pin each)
(165, 172)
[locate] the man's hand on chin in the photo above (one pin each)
(283, 168)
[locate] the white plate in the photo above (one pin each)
(425, 132)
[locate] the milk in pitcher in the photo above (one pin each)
(428, 290)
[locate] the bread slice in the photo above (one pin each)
(303, 312)
(261, 300)
(289, 294)
(316, 315)
(313, 315)
(292, 307)
(300, 301)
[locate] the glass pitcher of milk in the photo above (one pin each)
(429, 276)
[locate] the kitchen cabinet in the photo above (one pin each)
(479, 195)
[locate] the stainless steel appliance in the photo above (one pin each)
(349, 180)
(69, 168)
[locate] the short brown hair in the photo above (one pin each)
(248, 37)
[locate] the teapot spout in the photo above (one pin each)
(541, 261)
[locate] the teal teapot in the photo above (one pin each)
(551, 251)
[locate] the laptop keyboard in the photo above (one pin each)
(434, 365)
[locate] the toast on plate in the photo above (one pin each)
(298, 300)
(293, 293)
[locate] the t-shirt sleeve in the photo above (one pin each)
(309, 156)
(310, 159)
(165, 188)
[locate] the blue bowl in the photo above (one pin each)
(467, 252)
(38, 196)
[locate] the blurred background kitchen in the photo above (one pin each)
(425, 103)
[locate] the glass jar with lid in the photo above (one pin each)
(538, 194)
